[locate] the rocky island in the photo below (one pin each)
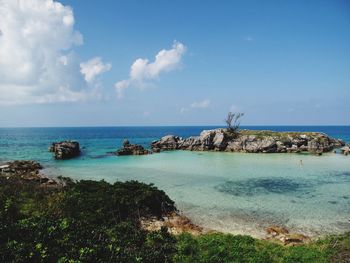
(65, 149)
(250, 141)
(132, 149)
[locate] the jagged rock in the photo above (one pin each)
(169, 142)
(192, 143)
(276, 231)
(126, 143)
(21, 167)
(27, 171)
(65, 149)
(345, 150)
(132, 149)
(174, 222)
(250, 141)
(294, 239)
(283, 235)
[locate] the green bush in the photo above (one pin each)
(89, 221)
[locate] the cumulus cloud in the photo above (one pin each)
(94, 67)
(201, 104)
(142, 70)
(37, 60)
(197, 105)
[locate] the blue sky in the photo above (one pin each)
(280, 62)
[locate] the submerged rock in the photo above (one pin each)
(250, 141)
(132, 149)
(65, 149)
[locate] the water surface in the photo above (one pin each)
(232, 192)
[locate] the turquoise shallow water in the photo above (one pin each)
(239, 193)
(232, 192)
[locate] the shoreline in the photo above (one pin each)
(177, 222)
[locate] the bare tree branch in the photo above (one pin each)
(233, 121)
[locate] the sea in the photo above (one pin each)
(239, 193)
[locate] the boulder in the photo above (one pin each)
(345, 150)
(219, 140)
(192, 143)
(294, 239)
(132, 149)
(169, 142)
(65, 149)
(266, 145)
(206, 137)
(276, 231)
(283, 235)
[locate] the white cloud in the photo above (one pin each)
(248, 39)
(201, 104)
(197, 105)
(183, 109)
(234, 108)
(93, 67)
(37, 61)
(142, 71)
(121, 86)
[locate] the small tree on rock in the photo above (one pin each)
(233, 121)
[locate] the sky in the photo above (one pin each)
(117, 63)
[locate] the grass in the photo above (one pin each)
(219, 247)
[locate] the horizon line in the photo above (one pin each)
(181, 125)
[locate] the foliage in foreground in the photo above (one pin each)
(91, 221)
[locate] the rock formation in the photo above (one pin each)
(346, 149)
(250, 141)
(283, 235)
(65, 149)
(132, 149)
(28, 171)
(175, 222)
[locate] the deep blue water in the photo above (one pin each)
(32, 143)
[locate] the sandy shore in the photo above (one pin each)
(178, 223)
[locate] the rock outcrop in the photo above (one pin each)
(283, 235)
(65, 149)
(175, 222)
(250, 141)
(27, 171)
(132, 149)
(346, 149)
